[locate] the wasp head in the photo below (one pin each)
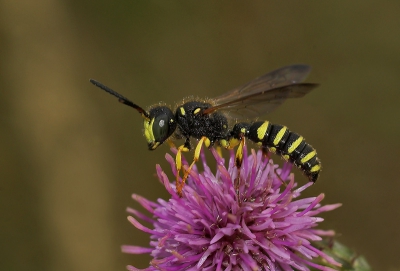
(159, 126)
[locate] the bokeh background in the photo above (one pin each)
(71, 156)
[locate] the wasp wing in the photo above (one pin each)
(263, 94)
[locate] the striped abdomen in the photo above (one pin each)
(278, 139)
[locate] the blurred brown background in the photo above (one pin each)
(71, 156)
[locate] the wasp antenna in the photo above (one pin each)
(121, 98)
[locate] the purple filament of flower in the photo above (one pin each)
(259, 225)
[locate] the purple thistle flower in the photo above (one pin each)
(266, 227)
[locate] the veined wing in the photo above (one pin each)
(263, 94)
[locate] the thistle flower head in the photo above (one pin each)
(258, 224)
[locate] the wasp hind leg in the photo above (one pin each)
(266, 153)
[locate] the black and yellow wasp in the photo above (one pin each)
(208, 121)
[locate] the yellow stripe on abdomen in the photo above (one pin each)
(295, 144)
(279, 135)
(262, 130)
(308, 156)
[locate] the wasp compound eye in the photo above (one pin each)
(161, 126)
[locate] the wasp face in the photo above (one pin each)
(159, 126)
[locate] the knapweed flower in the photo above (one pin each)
(255, 221)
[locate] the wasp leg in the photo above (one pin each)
(170, 143)
(266, 153)
(219, 151)
(196, 157)
(238, 162)
(178, 163)
(279, 177)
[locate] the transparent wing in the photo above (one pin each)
(263, 94)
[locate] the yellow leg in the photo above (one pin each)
(195, 159)
(219, 151)
(170, 143)
(239, 160)
(178, 164)
(239, 154)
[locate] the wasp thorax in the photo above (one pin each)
(159, 127)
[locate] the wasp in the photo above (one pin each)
(209, 121)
